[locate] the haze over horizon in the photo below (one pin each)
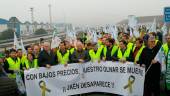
(81, 12)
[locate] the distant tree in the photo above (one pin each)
(7, 34)
(40, 31)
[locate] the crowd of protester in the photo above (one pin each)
(140, 50)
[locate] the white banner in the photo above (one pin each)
(111, 77)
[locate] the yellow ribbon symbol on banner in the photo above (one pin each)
(131, 80)
(43, 88)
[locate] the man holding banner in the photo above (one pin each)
(46, 57)
(13, 68)
(152, 75)
(63, 55)
(12, 64)
(80, 55)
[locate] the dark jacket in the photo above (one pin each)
(108, 54)
(2, 71)
(74, 58)
(8, 87)
(46, 58)
(152, 77)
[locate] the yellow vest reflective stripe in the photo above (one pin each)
(133, 48)
(125, 55)
(24, 57)
(35, 63)
(63, 59)
(139, 53)
(93, 56)
(13, 66)
(130, 46)
(114, 49)
(165, 48)
(156, 41)
(72, 50)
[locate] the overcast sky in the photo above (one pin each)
(83, 12)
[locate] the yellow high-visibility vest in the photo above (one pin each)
(165, 48)
(95, 56)
(130, 46)
(156, 41)
(138, 53)
(23, 58)
(35, 64)
(13, 66)
(114, 49)
(72, 50)
(125, 55)
(63, 59)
